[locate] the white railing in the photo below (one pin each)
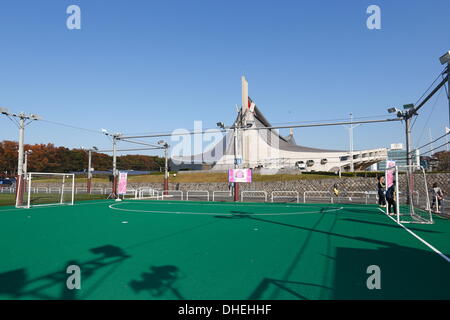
(147, 192)
(80, 190)
(318, 195)
(130, 193)
(41, 190)
(350, 195)
(221, 194)
(7, 190)
(256, 195)
(172, 193)
(54, 190)
(31, 189)
(285, 195)
(97, 191)
(198, 192)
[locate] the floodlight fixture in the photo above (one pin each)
(4, 110)
(163, 143)
(220, 125)
(393, 110)
(445, 58)
(35, 117)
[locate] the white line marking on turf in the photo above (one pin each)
(443, 256)
(112, 206)
(231, 204)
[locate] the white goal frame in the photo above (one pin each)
(62, 188)
(411, 204)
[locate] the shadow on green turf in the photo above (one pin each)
(16, 284)
(406, 272)
(313, 229)
(158, 281)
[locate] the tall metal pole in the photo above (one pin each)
(447, 130)
(448, 91)
(431, 146)
(408, 139)
(352, 168)
(236, 184)
(350, 134)
(25, 165)
(89, 174)
(20, 165)
(407, 118)
(166, 170)
(20, 181)
(114, 188)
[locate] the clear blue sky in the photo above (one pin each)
(148, 66)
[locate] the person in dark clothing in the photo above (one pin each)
(381, 189)
(391, 198)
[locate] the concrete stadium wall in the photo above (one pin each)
(345, 183)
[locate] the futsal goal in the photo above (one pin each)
(46, 189)
(411, 198)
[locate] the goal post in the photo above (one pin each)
(411, 197)
(48, 189)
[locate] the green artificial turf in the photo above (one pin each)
(210, 250)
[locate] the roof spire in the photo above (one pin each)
(244, 94)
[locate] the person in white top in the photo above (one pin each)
(438, 196)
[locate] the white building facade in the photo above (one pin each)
(259, 147)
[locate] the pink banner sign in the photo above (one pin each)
(122, 187)
(240, 175)
(389, 173)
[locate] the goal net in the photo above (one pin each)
(407, 186)
(47, 189)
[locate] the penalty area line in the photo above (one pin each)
(443, 256)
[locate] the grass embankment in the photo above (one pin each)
(8, 199)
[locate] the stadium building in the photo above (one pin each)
(265, 148)
(398, 154)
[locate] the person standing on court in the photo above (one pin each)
(381, 188)
(336, 190)
(438, 196)
(391, 198)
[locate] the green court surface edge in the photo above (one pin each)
(213, 250)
